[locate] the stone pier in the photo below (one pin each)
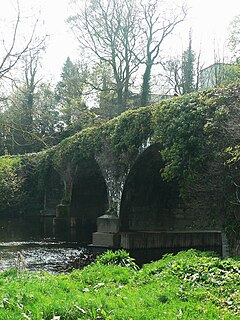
(107, 234)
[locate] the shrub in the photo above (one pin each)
(117, 258)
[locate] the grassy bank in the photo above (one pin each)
(190, 285)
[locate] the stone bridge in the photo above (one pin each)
(108, 181)
(120, 199)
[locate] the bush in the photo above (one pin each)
(117, 258)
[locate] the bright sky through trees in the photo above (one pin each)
(209, 20)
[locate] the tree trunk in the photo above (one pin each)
(145, 92)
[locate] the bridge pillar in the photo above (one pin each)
(61, 221)
(107, 234)
(114, 172)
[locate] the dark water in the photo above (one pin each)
(34, 238)
(45, 249)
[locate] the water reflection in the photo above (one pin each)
(39, 228)
(17, 229)
(35, 239)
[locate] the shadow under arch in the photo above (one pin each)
(54, 192)
(89, 198)
(148, 202)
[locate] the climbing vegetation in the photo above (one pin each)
(195, 130)
(11, 182)
(198, 135)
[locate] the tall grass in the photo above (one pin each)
(190, 285)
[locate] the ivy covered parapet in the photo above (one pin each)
(194, 133)
(196, 129)
(191, 129)
(125, 134)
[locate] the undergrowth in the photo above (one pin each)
(189, 285)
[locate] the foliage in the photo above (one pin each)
(234, 37)
(117, 258)
(11, 182)
(31, 121)
(131, 129)
(191, 130)
(124, 133)
(190, 285)
(69, 92)
(188, 61)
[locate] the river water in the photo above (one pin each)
(40, 247)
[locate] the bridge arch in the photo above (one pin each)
(148, 202)
(89, 197)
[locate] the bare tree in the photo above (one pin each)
(182, 74)
(109, 30)
(126, 34)
(172, 74)
(159, 23)
(20, 48)
(13, 47)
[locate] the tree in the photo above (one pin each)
(13, 46)
(21, 106)
(17, 135)
(188, 71)
(45, 124)
(16, 48)
(31, 120)
(234, 37)
(126, 34)
(47, 120)
(182, 73)
(69, 91)
(109, 30)
(172, 75)
(101, 85)
(159, 24)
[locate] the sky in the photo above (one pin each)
(209, 20)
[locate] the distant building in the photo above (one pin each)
(219, 73)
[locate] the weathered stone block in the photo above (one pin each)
(108, 240)
(108, 223)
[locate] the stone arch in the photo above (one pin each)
(89, 197)
(149, 203)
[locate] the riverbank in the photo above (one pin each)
(190, 285)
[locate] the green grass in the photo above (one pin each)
(189, 285)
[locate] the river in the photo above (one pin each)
(40, 247)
